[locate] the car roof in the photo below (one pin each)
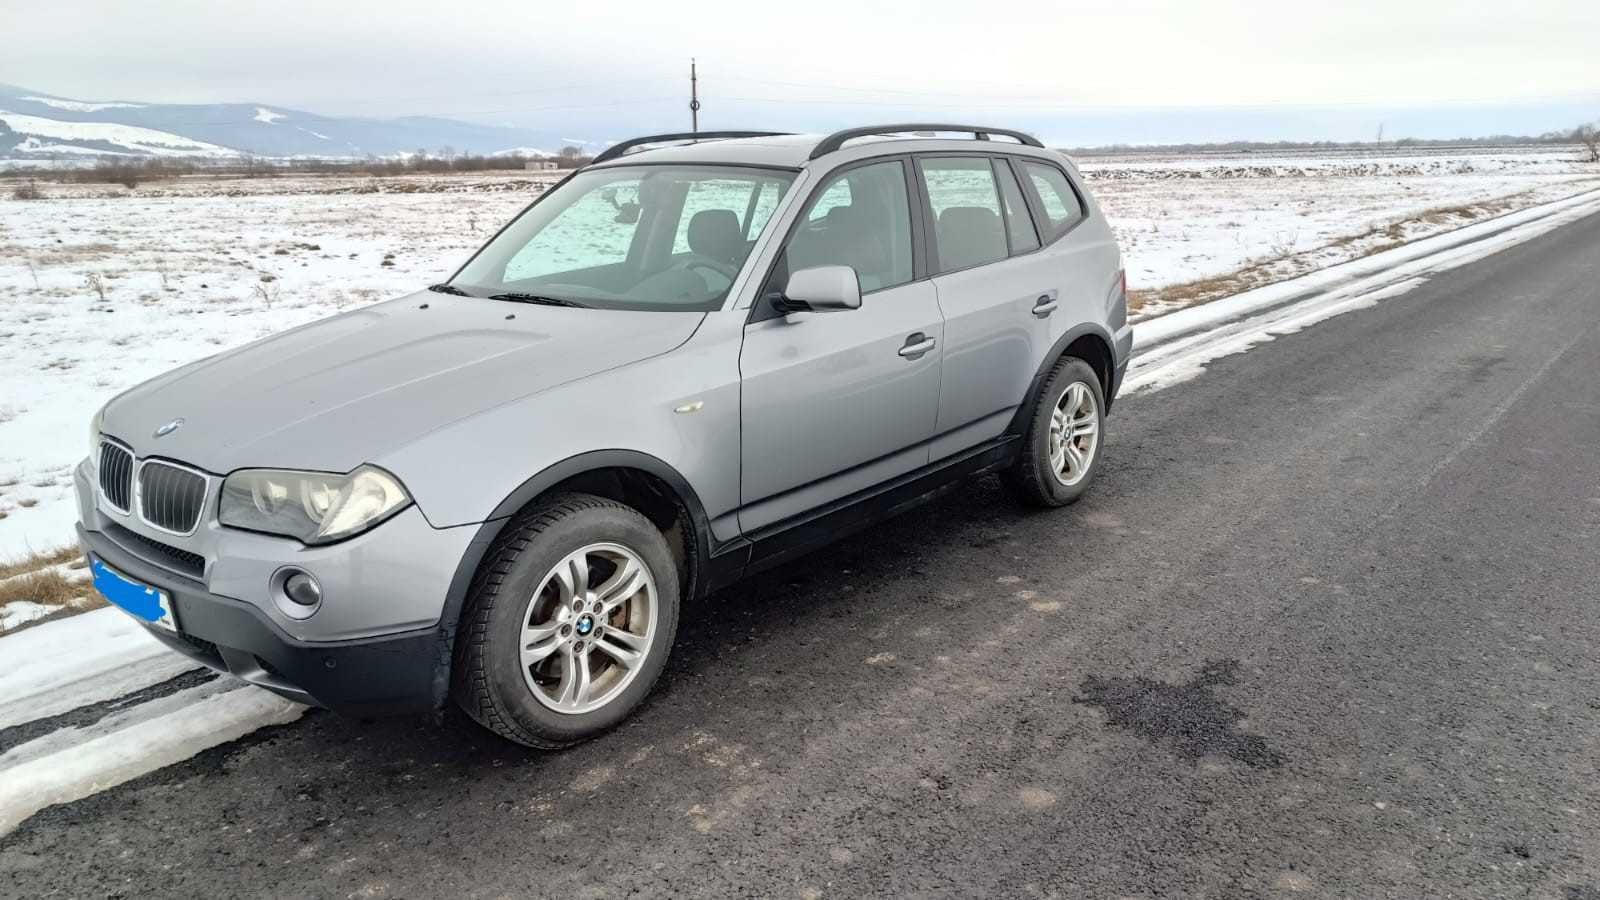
(793, 151)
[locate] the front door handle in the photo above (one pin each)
(917, 346)
(1045, 305)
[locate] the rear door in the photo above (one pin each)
(995, 290)
(834, 403)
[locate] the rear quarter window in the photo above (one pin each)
(1062, 208)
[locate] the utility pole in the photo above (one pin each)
(694, 98)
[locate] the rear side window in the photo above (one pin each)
(1062, 209)
(968, 226)
(1019, 223)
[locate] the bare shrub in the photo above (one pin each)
(95, 282)
(1589, 137)
(28, 190)
(1283, 244)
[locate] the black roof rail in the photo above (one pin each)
(836, 140)
(616, 150)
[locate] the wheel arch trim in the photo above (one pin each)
(1019, 420)
(527, 492)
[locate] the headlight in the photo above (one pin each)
(314, 507)
(95, 425)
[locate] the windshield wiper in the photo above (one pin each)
(540, 299)
(448, 289)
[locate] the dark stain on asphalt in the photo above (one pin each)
(1583, 892)
(1189, 718)
(1480, 368)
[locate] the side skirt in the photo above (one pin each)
(783, 541)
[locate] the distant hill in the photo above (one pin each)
(40, 126)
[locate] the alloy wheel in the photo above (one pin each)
(588, 627)
(1074, 434)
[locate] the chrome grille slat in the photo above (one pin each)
(116, 475)
(171, 497)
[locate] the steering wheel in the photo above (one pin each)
(727, 272)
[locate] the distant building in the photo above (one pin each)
(539, 165)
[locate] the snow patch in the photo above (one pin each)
(129, 137)
(21, 612)
(80, 106)
(268, 116)
(76, 656)
(72, 764)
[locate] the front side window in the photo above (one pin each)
(1061, 206)
(968, 227)
(861, 219)
(633, 237)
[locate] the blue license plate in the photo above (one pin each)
(148, 604)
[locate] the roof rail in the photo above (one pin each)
(616, 150)
(836, 140)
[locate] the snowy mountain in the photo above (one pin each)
(36, 125)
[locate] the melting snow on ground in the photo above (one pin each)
(100, 292)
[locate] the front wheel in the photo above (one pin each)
(1061, 447)
(568, 624)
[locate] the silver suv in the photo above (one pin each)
(698, 357)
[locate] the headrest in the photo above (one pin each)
(714, 233)
(969, 235)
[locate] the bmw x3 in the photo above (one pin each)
(695, 358)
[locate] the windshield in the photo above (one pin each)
(632, 237)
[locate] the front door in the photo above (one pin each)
(834, 403)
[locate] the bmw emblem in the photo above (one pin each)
(169, 428)
(584, 626)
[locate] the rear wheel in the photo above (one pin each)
(1062, 444)
(568, 624)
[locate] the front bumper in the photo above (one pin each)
(392, 674)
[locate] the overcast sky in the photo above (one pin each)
(1308, 67)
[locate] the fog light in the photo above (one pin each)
(302, 589)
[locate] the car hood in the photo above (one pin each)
(342, 391)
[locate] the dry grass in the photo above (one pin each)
(39, 561)
(48, 586)
(40, 579)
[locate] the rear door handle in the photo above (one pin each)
(1044, 306)
(917, 345)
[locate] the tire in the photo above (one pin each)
(1035, 477)
(523, 653)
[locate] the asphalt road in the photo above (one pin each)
(1328, 625)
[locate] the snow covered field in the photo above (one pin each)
(101, 288)
(91, 701)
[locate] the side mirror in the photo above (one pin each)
(822, 289)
